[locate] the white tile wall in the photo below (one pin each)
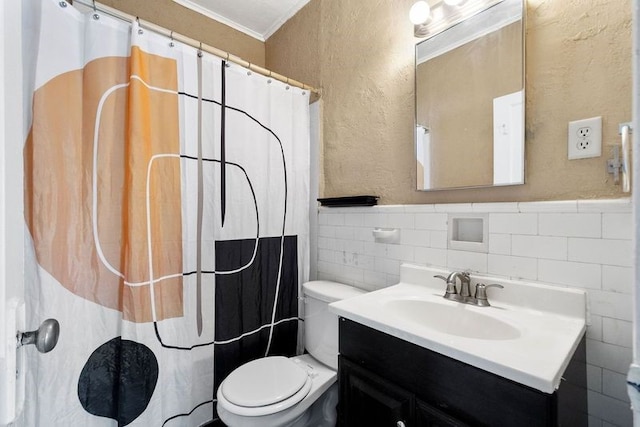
(583, 244)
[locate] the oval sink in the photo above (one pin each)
(455, 319)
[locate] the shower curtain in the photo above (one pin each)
(166, 195)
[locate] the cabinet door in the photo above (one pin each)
(430, 416)
(368, 400)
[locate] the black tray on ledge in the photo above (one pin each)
(334, 202)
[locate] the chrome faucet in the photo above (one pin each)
(451, 293)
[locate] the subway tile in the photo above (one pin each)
(509, 223)
(495, 207)
(323, 219)
(326, 255)
(566, 206)
(375, 220)
(326, 276)
(500, 244)
(416, 238)
(353, 274)
(430, 256)
(353, 246)
(439, 239)
(610, 304)
(389, 209)
(453, 207)
(617, 332)
(614, 385)
(539, 247)
(419, 208)
(401, 220)
(606, 424)
(375, 279)
(594, 378)
(570, 225)
(335, 270)
(355, 260)
(576, 274)
(608, 356)
(388, 266)
(345, 233)
(610, 205)
(609, 409)
(601, 251)
(364, 234)
(404, 253)
(393, 279)
(513, 267)
(323, 243)
(371, 248)
(617, 226)
(617, 279)
(335, 219)
(354, 219)
(463, 260)
(431, 221)
(594, 330)
(326, 231)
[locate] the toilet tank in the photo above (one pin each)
(320, 325)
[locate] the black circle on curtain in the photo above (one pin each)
(118, 380)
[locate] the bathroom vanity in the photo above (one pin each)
(409, 357)
(386, 381)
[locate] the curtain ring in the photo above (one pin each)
(95, 11)
(171, 44)
(200, 50)
(287, 87)
(249, 69)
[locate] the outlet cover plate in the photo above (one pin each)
(585, 138)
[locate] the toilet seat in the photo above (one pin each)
(264, 386)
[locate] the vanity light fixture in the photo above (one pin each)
(419, 15)
(429, 21)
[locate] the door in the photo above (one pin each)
(368, 400)
(11, 213)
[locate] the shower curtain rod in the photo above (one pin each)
(118, 14)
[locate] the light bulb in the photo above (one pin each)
(419, 12)
(453, 2)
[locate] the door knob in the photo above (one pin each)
(44, 338)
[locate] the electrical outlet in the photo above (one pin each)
(585, 138)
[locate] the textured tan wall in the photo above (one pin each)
(454, 96)
(172, 16)
(578, 66)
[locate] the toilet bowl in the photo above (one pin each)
(277, 391)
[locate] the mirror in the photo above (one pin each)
(470, 101)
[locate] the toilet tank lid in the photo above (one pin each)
(328, 291)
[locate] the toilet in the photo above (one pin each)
(300, 391)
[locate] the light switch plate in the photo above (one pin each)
(585, 138)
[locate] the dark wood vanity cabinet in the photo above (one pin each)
(385, 381)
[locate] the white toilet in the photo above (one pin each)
(298, 391)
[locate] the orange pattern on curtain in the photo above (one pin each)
(136, 122)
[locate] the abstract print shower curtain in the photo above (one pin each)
(166, 196)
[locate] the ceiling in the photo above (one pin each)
(257, 18)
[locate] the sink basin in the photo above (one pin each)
(452, 319)
(528, 335)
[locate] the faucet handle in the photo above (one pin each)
(451, 286)
(481, 293)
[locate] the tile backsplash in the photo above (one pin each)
(583, 244)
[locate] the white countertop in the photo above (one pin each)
(550, 321)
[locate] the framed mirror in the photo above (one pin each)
(470, 100)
